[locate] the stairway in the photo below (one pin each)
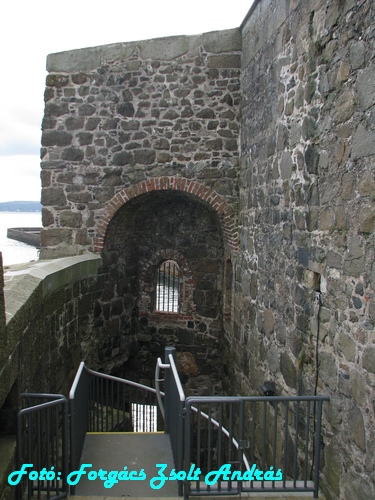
(136, 451)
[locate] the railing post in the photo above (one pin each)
(168, 388)
(317, 448)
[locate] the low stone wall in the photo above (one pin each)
(28, 235)
(48, 308)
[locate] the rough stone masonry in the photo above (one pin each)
(252, 153)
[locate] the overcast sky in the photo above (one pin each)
(31, 29)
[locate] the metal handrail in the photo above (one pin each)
(224, 431)
(107, 377)
(166, 366)
(92, 399)
(76, 380)
(160, 366)
(176, 377)
(303, 485)
(40, 449)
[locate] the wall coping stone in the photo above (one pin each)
(165, 48)
(20, 281)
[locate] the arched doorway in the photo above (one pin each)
(152, 228)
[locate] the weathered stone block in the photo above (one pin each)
(348, 186)
(347, 346)
(269, 322)
(358, 486)
(344, 107)
(56, 138)
(333, 466)
(366, 88)
(144, 156)
(161, 144)
(288, 369)
(224, 61)
(367, 220)
(368, 359)
(366, 184)
(72, 154)
(357, 54)
(312, 159)
(354, 260)
(86, 110)
(328, 369)
(357, 428)
(53, 196)
(358, 387)
(55, 236)
(57, 80)
(363, 143)
(122, 158)
(70, 219)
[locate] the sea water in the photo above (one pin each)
(16, 252)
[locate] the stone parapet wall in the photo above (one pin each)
(304, 308)
(48, 323)
(3, 354)
(248, 157)
(119, 115)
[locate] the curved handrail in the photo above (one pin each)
(123, 380)
(105, 376)
(172, 366)
(76, 379)
(160, 365)
(225, 431)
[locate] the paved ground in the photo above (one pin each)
(259, 496)
(114, 451)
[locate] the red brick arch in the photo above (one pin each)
(206, 194)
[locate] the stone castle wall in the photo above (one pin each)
(48, 308)
(248, 157)
(146, 124)
(304, 304)
(120, 115)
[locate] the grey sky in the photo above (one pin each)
(29, 30)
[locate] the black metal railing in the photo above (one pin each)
(104, 403)
(222, 445)
(42, 447)
(256, 444)
(173, 411)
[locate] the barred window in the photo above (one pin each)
(168, 287)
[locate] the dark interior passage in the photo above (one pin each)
(147, 232)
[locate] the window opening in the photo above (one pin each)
(168, 287)
(144, 418)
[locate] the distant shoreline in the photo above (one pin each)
(20, 206)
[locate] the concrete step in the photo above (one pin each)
(135, 451)
(260, 496)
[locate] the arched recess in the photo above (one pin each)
(148, 229)
(204, 193)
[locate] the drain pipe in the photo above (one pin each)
(318, 305)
